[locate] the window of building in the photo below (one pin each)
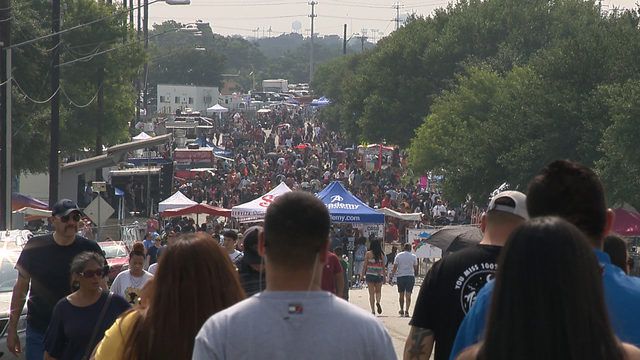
(190, 100)
(207, 99)
(177, 100)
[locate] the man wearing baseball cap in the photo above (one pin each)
(44, 264)
(452, 284)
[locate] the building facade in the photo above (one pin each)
(182, 97)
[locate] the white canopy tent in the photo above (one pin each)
(175, 201)
(142, 136)
(401, 216)
(255, 210)
(218, 109)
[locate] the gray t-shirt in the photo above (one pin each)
(287, 325)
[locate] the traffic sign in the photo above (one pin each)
(99, 210)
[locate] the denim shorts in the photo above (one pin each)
(405, 283)
(377, 279)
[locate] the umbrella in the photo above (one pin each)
(264, 111)
(272, 155)
(454, 238)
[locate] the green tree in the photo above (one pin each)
(87, 54)
(619, 166)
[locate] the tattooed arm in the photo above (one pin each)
(419, 344)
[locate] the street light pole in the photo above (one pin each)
(7, 143)
(5, 93)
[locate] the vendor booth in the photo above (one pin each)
(626, 222)
(254, 210)
(346, 208)
(197, 209)
(175, 201)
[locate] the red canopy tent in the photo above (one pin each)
(197, 209)
(626, 223)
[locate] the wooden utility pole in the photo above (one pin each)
(55, 104)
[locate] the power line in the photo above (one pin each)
(244, 5)
(116, 13)
(95, 96)
(32, 99)
(351, 18)
(90, 57)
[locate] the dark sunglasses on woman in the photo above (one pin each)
(91, 273)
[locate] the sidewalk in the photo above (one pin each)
(398, 327)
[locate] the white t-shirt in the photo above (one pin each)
(152, 269)
(130, 287)
(406, 262)
(235, 256)
(439, 210)
(285, 325)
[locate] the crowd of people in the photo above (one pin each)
(538, 286)
(290, 146)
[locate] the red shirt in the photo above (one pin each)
(329, 270)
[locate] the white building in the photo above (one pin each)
(197, 98)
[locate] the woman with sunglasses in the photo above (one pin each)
(195, 279)
(80, 319)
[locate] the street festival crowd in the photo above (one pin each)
(539, 284)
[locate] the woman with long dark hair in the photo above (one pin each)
(548, 301)
(194, 280)
(374, 273)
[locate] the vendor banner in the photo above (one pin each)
(418, 239)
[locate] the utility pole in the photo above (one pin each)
(312, 16)
(362, 40)
(344, 40)
(5, 118)
(99, 119)
(374, 32)
(256, 33)
(269, 31)
(131, 23)
(145, 93)
(397, 6)
(55, 104)
(138, 81)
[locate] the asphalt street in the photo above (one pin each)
(397, 326)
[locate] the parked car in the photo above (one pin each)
(117, 255)
(8, 277)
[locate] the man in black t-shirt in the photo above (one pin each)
(452, 284)
(44, 264)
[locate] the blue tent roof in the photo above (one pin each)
(346, 208)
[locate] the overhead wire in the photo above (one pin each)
(32, 99)
(115, 13)
(95, 96)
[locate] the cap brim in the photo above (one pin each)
(69, 211)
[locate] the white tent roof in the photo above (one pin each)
(254, 210)
(217, 108)
(177, 200)
(401, 216)
(142, 136)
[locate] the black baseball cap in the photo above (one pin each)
(64, 207)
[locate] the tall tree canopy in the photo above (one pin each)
(490, 91)
(104, 54)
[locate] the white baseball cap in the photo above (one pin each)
(519, 207)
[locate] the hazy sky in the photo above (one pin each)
(243, 17)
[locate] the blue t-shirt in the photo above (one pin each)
(622, 296)
(71, 327)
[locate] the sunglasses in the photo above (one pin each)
(91, 273)
(75, 216)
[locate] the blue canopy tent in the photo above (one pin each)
(346, 208)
